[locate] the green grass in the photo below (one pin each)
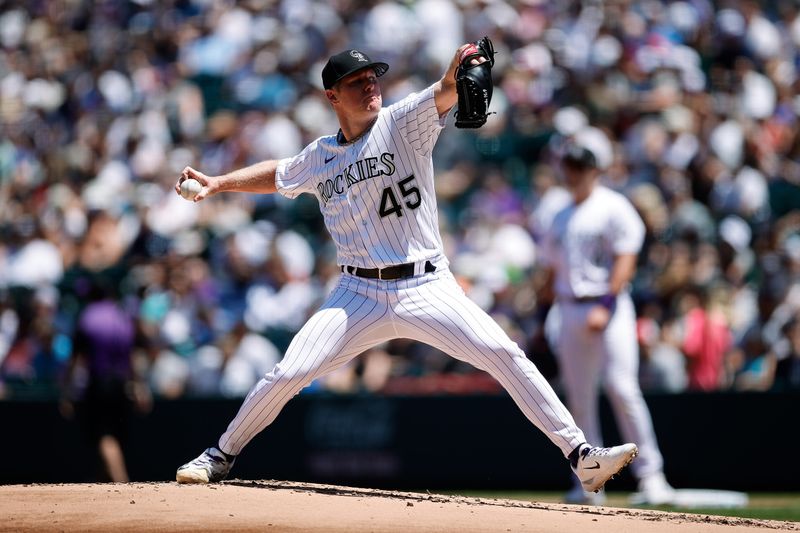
(764, 506)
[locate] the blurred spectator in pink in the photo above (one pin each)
(706, 338)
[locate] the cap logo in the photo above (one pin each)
(358, 55)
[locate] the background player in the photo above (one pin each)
(104, 344)
(374, 184)
(591, 250)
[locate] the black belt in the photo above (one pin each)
(606, 300)
(394, 272)
(586, 299)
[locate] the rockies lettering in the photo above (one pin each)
(377, 193)
(356, 172)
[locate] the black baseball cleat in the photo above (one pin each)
(209, 467)
(595, 465)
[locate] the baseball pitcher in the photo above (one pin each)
(374, 184)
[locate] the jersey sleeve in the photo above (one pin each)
(627, 228)
(293, 175)
(418, 120)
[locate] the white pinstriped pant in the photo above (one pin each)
(611, 357)
(431, 308)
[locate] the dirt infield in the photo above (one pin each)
(276, 506)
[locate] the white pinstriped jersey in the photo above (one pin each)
(377, 197)
(376, 194)
(584, 239)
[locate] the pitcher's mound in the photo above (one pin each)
(276, 506)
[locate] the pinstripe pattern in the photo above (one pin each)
(347, 324)
(351, 183)
(404, 134)
(432, 309)
(440, 314)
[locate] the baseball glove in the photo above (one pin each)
(474, 85)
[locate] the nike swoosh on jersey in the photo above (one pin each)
(329, 159)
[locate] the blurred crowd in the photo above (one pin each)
(103, 103)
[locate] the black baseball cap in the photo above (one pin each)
(347, 62)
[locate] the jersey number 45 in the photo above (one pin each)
(409, 194)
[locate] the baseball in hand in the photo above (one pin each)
(190, 188)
